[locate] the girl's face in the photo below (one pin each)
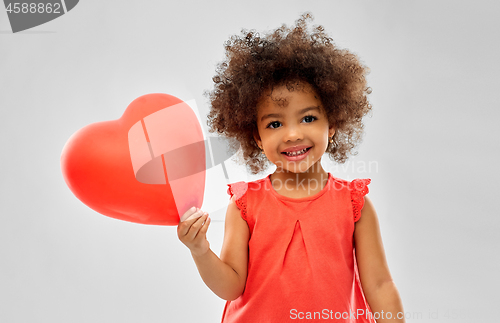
(292, 121)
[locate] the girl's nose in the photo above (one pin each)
(293, 134)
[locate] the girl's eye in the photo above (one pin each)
(272, 123)
(312, 117)
(308, 117)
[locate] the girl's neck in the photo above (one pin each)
(297, 184)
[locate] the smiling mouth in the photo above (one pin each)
(297, 153)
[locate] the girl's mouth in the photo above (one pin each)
(297, 155)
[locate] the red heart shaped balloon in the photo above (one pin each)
(146, 167)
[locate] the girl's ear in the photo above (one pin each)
(331, 131)
(256, 137)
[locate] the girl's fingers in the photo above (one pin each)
(195, 227)
(189, 213)
(195, 215)
(184, 227)
(204, 227)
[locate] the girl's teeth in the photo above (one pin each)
(297, 153)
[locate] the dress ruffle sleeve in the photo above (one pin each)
(238, 190)
(358, 188)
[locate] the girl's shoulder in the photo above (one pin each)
(347, 182)
(238, 193)
(356, 185)
(356, 190)
(239, 189)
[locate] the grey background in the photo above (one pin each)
(433, 137)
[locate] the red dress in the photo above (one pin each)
(301, 263)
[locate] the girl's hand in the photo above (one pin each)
(192, 232)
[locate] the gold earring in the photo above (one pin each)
(331, 140)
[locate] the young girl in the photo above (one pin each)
(299, 243)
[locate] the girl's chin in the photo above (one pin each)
(294, 167)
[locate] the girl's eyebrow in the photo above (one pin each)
(277, 115)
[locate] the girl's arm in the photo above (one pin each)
(378, 286)
(225, 276)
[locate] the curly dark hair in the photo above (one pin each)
(255, 63)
